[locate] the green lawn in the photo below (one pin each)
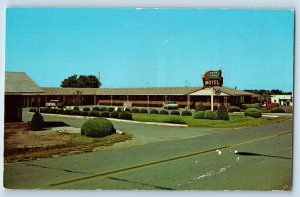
(234, 122)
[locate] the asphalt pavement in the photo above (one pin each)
(257, 158)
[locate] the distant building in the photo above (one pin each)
(282, 99)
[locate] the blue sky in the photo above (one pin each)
(154, 47)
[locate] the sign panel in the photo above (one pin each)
(212, 78)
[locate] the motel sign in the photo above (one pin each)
(212, 78)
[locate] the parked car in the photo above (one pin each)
(53, 104)
(170, 105)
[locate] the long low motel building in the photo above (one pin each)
(145, 97)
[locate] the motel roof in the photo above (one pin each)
(142, 91)
(19, 83)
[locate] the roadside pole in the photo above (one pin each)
(212, 99)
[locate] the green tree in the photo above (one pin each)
(83, 81)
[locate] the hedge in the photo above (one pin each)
(104, 114)
(174, 120)
(253, 112)
(210, 115)
(110, 109)
(222, 113)
(32, 110)
(96, 109)
(76, 108)
(114, 114)
(75, 112)
(103, 109)
(127, 109)
(135, 110)
(277, 110)
(153, 111)
(174, 112)
(84, 113)
(199, 115)
(247, 106)
(200, 107)
(125, 115)
(186, 113)
(68, 112)
(86, 109)
(97, 127)
(164, 112)
(59, 111)
(144, 111)
(233, 109)
(94, 113)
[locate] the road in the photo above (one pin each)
(258, 158)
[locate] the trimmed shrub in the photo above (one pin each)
(125, 115)
(37, 122)
(104, 114)
(86, 109)
(222, 113)
(68, 112)
(176, 113)
(97, 127)
(210, 115)
(114, 114)
(153, 111)
(42, 110)
(277, 110)
(127, 109)
(199, 115)
(59, 111)
(75, 112)
(135, 110)
(247, 106)
(76, 108)
(200, 107)
(97, 109)
(233, 109)
(174, 120)
(47, 110)
(32, 110)
(164, 112)
(103, 109)
(253, 112)
(52, 111)
(186, 113)
(110, 109)
(94, 113)
(144, 111)
(84, 113)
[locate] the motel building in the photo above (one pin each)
(21, 91)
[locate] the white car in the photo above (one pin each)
(170, 105)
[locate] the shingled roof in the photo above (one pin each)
(20, 83)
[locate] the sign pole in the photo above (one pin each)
(212, 99)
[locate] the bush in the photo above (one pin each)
(96, 109)
(111, 109)
(164, 112)
(84, 113)
(42, 110)
(47, 110)
(199, 115)
(97, 127)
(186, 113)
(103, 109)
(174, 120)
(86, 109)
(68, 112)
(32, 110)
(125, 115)
(210, 115)
(37, 122)
(114, 114)
(253, 112)
(104, 114)
(76, 108)
(75, 112)
(176, 113)
(135, 110)
(59, 111)
(247, 106)
(144, 111)
(277, 110)
(222, 113)
(200, 107)
(127, 109)
(94, 113)
(153, 111)
(233, 109)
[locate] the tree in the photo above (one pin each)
(83, 81)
